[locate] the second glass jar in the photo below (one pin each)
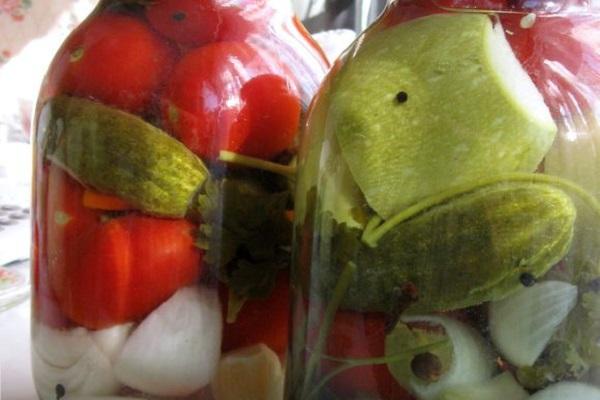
(448, 209)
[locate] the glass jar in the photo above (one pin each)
(447, 223)
(165, 138)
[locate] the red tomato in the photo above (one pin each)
(126, 268)
(203, 99)
(260, 320)
(67, 222)
(355, 335)
(187, 22)
(241, 22)
(113, 58)
(60, 220)
(272, 111)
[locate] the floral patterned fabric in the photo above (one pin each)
(23, 20)
(30, 33)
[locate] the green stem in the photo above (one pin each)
(371, 238)
(257, 163)
(338, 294)
(371, 226)
(359, 362)
(326, 379)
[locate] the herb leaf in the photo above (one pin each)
(244, 230)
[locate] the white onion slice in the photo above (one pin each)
(522, 324)
(92, 374)
(175, 350)
(111, 340)
(568, 391)
(472, 360)
(74, 359)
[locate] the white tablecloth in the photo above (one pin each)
(16, 382)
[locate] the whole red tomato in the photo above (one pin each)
(187, 22)
(215, 100)
(113, 58)
(271, 113)
(356, 335)
(198, 22)
(260, 320)
(125, 268)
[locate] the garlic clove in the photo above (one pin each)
(251, 373)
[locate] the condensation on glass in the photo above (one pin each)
(166, 134)
(447, 223)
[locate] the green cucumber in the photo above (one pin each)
(433, 103)
(120, 154)
(467, 250)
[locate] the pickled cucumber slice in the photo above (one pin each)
(434, 103)
(466, 251)
(121, 154)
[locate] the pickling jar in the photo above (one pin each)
(166, 133)
(447, 222)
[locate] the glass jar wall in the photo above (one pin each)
(162, 206)
(448, 208)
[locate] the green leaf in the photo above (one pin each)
(254, 280)
(244, 230)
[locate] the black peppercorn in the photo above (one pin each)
(60, 391)
(402, 97)
(527, 279)
(179, 16)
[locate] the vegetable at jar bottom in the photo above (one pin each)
(252, 373)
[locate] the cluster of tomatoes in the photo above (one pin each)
(190, 65)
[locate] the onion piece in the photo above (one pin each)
(501, 387)
(471, 360)
(175, 350)
(111, 340)
(73, 359)
(522, 324)
(568, 391)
